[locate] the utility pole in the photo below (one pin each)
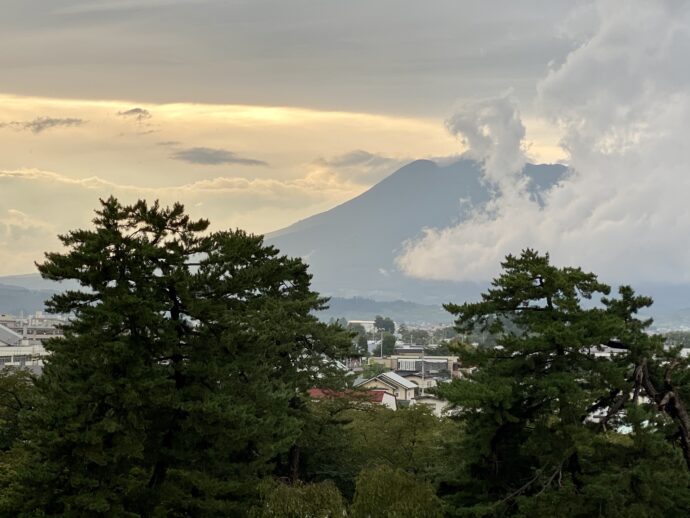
(423, 371)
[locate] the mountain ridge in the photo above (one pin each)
(351, 248)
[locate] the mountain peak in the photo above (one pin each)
(352, 248)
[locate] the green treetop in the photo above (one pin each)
(181, 377)
(547, 416)
(384, 324)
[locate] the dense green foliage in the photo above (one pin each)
(181, 388)
(347, 439)
(384, 324)
(180, 379)
(553, 427)
(414, 336)
(388, 492)
(317, 500)
(360, 341)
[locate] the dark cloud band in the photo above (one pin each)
(40, 124)
(211, 156)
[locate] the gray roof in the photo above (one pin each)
(390, 378)
(396, 378)
(9, 337)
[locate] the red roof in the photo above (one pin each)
(318, 393)
(376, 396)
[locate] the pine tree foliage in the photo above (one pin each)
(550, 422)
(16, 395)
(182, 374)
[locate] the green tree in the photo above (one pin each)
(371, 370)
(410, 438)
(414, 336)
(388, 342)
(321, 499)
(181, 377)
(362, 346)
(16, 396)
(542, 411)
(443, 334)
(384, 324)
(361, 343)
(387, 492)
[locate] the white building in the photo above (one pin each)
(21, 339)
(34, 329)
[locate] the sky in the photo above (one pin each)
(258, 113)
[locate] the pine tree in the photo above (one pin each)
(181, 377)
(552, 426)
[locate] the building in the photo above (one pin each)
(402, 389)
(22, 356)
(376, 397)
(34, 329)
(8, 337)
(408, 350)
(21, 339)
(437, 367)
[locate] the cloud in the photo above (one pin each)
(138, 114)
(622, 103)
(212, 156)
(251, 191)
(229, 202)
(21, 236)
(358, 166)
(492, 131)
(96, 6)
(16, 226)
(40, 124)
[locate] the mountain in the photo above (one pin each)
(351, 249)
(358, 308)
(15, 300)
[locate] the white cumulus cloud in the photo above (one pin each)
(621, 99)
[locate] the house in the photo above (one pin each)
(402, 389)
(383, 398)
(377, 397)
(416, 378)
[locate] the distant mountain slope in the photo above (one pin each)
(351, 248)
(15, 300)
(399, 310)
(33, 281)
